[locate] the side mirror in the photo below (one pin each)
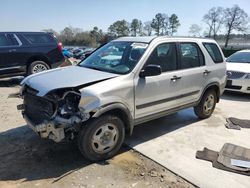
(150, 70)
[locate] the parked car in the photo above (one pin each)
(25, 53)
(238, 72)
(82, 53)
(67, 53)
(124, 83)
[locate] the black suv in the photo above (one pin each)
(25, 53)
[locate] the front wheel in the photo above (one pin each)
(101, 138)
(207, 105)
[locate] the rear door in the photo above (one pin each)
(192, 65)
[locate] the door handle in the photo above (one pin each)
(206, 72)
(12, 50)
(175, 78)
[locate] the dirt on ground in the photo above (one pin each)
(29, 161)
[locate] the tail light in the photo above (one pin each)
(60, 46)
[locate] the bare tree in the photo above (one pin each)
(147, 28)
(195, 30)
(214, 20)
(235, 19)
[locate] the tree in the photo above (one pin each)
(174, 23)
(214, 20)
(147, 29)
(97, 35)
(136, 27)
(158, 24)
(119, 28)
(195, 30)
(235, 19)
(51, 31)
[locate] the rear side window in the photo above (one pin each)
(4, 40)
(38, 38)
(191, 56)
(214, 52)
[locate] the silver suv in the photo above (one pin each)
(122, 84)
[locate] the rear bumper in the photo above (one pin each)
(238, 85)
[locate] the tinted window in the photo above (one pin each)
(4, 40)
(239, 57)
(214, 52)
(191, 56)
(38, 38)
(13, 39)
(165, 56)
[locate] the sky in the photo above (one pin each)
(36, 15)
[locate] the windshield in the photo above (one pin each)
(115, 57)
(239, 57)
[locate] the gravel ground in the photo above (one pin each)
(28, 161)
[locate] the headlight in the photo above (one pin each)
(247, 76)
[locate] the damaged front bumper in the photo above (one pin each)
(55, 128)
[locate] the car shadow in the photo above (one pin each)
(11, 82)
(156, 128)
(235, 96)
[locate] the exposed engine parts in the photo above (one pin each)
(61, 112)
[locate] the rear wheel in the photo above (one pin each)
(101, 138)
(207, 104)
(37, 66)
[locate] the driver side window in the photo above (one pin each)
(165, 56)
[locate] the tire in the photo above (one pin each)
(207, 105)
(37, 66)
(101, 138)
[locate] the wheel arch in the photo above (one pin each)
(38, 58)
(212, 86)
(119, 110)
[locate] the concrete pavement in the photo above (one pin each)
(173, 141)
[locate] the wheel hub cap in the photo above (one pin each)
(39, 68)
(209, 104)
(105, 138)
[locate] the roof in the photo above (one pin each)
(148, 39)
(23, 32)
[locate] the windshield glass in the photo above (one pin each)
(239, 57)
(115, 57)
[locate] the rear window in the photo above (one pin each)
(214, 52)
(39, 38)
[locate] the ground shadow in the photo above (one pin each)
(10, 82)
(235, 96)
(162, 126)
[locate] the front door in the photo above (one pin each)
(159, 93)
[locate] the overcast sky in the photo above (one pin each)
(36, 15)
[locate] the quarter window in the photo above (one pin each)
(214, 52)
(190, 56)
(165, 56)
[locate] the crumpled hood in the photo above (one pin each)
(65, 77)
(239, 67)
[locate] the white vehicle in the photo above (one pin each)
(238, 72)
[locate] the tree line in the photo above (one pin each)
(221, 23)
(160, 25)
(219, 19)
